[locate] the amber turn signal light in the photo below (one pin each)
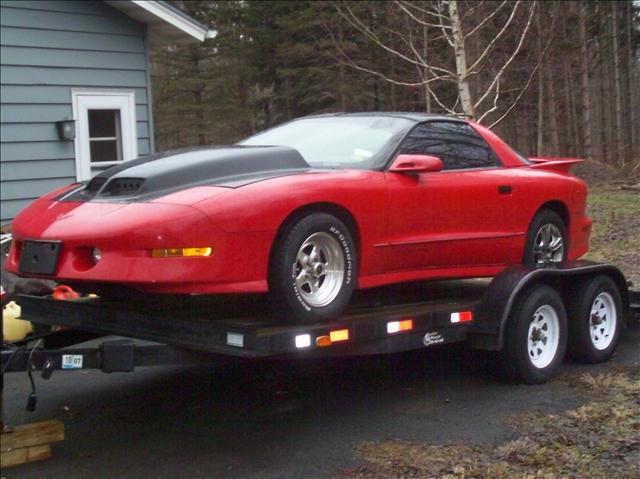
(181, 252)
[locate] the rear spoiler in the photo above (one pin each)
(555, 163)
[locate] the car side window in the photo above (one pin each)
(457, 144)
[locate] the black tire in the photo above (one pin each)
(602, 294)
(297, 301)
(516, 357)
(542, 219)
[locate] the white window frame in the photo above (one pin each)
(84, 100)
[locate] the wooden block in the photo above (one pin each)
(24, 455)
(35, 434)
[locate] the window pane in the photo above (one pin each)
(104, 150)
(103, 123)
(458, 145)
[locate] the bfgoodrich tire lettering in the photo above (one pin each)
(313, 270)
(536, 336)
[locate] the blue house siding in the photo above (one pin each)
(46, 49)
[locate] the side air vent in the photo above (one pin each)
(122, 186)
(95, 184)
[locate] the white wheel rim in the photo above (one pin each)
(602, 321)
(543, 337)
(318, 270)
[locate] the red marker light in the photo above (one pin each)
(461, 317)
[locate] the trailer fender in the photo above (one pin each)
(495, 308)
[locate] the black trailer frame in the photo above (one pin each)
(197, 330)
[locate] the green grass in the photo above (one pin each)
(616, 229)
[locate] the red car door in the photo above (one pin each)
(461, 216)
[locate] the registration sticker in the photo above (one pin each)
(72, 361)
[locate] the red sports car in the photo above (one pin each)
(309, 210)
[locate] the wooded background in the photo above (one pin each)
(552, 78)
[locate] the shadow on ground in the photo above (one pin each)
(277, 419)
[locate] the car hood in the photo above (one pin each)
(165, 173)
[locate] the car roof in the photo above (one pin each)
(408, 115)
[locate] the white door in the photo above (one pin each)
(105, 129)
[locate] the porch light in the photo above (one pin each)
(66, 129)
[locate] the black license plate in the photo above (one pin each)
(40, 257)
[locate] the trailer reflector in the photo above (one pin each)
(235, 339)
(461, 317)
(339, 335)
(303, 341)
(397, 326)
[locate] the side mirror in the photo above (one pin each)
(416, 164)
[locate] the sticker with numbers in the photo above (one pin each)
(72, 361)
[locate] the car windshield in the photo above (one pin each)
(362, 142)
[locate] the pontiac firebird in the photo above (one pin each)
(308, 211)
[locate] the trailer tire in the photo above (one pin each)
(536, 336)
(595, 317)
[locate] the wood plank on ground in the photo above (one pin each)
(30, 442)
(23, 455)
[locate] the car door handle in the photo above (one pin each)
(505, 189)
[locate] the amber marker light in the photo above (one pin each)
(333, 337)
(339, 335)
(397, 326)
(323, 341)
(181, 252)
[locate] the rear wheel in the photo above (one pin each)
(546, 240)
(536, 336)
(313, 270)
(595, 316)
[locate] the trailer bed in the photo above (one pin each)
(245, 327)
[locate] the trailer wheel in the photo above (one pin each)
(536, 336)
(595, 315)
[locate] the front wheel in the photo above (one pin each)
(536, 337)
(313, 269)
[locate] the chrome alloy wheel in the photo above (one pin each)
(549, 245)
(319, 269)
(544, 336)
(603, 321)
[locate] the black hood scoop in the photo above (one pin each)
(156, 175)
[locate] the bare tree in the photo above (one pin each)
(478, 78)
(620, 150)
(584, 82)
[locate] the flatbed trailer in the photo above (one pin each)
(384, 320)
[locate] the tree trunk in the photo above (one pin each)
(553, 112)
(427, 94)
(602, 126)
(394, 100)
(584, 83)
(540, 142)
(631, 131)
(342, 94)
(571, 143)
(619, 127)
(464, 92)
